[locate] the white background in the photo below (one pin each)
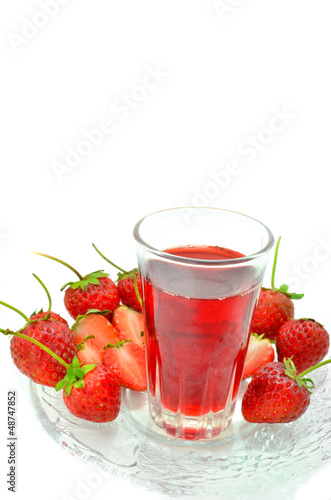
(224, 75)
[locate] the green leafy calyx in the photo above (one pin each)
(119, 344)
(301, 380)
(92, 278)
(261, 337)
(81, 345)
(74, 377)
(90, 311)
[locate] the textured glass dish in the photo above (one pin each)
(244, 458)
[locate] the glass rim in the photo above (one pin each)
(189, 260)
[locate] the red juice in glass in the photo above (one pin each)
(202, 269)
(197, 321)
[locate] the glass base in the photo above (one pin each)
(138, 411)
(187, 427)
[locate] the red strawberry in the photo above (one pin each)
(259, 353)
(92, 333)
(272, 310)
(129, 324)
(99, 399)
(91, 392)
(127, 361)
(52, 316)
(128, 284)
(31, 358)
(274, 307)
(126, 289)
(275, 394)
(37, 364)
(305, 341)
(93, 291)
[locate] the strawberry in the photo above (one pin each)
(127, 289)
(129, 324)
(91, 392)
(259, 353)
(52, 316)
(98, 400)
(92, 333)
(128, 284)
(29, 344)
(127, 361)
(305, 341)
(275, 394)
(274, 306)
(93, 291)
(272, 310)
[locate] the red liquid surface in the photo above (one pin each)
(196, 339)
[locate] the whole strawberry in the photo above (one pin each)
(93, 291)
(272, 310)
(33, 358)
(52, 316)
(275, 394)
(304, 340)
(128, 284)
(274, 307)
(37, 364)
(127, 289)
(99, 399)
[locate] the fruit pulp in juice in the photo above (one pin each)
(197, 321)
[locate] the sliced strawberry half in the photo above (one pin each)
(260, 352)
(127, 361)
(92, 333)
(129, 324)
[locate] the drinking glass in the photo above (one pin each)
(201, 271)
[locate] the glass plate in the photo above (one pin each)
(133, 447)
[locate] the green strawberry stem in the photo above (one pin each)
(290, 371)
(136, 289)
(61, 262)
(275, 264)
(47, 292)
(283, 288)
(16, 310)
(109, 261)
(322, 363)
(39, 344)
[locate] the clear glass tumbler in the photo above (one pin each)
(202, 270)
